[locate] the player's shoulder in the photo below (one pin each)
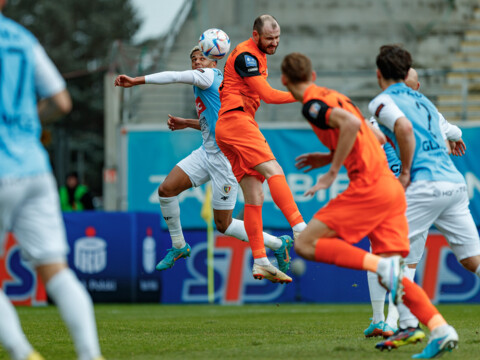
(378, 102)
(12, 30)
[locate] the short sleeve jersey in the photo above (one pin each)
(245, 60)
(207, 103)
(365, 162)
(24, 73)
(431, 161)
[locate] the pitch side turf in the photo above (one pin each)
(269, 331)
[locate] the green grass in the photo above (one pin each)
(270, 331)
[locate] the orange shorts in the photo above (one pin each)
(376, 211)
(238, 136)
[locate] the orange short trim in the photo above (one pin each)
(243, 144)
(376, 211)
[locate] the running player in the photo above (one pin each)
(29, 204)
(373, 193)
(239, 138)
(436, 191)
(204, 164)
(453, 139)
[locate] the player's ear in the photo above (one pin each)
(255, 36)
(284, 80)
(379, 74)
(314, 76)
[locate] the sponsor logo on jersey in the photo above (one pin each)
(200, 106)
(250, 61)
(379, 108)
(314, 110)
(201, 70)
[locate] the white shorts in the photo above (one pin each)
(444, 205)
(30, 208)
(201, 166)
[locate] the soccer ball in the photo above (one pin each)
(214, 44)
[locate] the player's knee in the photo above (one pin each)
(222, 224)
(164, 191)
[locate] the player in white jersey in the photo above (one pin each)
(453, 140)
(203, 164)
(29, 204)
(435, 189)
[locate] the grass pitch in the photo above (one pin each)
(285, 331)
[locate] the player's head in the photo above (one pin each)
(200, 61)
(266, 34)
(2, 4)
(412, 79)
(393, 63)
(296, 68)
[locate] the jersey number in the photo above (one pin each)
(13, 55)
(429, 117)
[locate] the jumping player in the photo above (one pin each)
(204, 164)
(373, 193)
(239, 138)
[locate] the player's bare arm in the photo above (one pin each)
(178, 123)
(313, 161)
(50, 109)
(406, 142)
(127, 81)
(349, 125)
(377, 132)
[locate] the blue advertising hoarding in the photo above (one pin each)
(152, 154)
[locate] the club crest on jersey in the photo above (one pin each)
(314, 110)
(227, 188)
(250, 61)
(200, 106)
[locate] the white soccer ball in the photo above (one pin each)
(214, 44)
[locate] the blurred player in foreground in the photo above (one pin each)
(379, 325)
(204, 164)
(436, 191)
(239, 138)
(373, 193)
(29, 204)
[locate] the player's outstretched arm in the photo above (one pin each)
(51, 108)
(268, 94)
(127, 81)
(313, 161)
(178, 123)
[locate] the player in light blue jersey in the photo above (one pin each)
(203, 164)
(29, 204)
(436, 192)
(452, 135)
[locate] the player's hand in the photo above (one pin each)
(124, 81)
(323, 182)
(176, 123)
(458, 147)
(313, 161)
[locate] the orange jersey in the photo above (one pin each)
(366, 161)
(245, 81)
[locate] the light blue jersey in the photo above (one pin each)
(207, 103)
(21, 152)
(431, 161)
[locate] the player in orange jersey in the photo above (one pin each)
(237, 134)
(373, 194)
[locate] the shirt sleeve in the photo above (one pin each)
(317, 113)
(48, 80)
(268, 94)
(384, 109)
(202, 78)
(449, 131)
(246, 65)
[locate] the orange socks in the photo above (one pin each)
(283, 198)
(340, 253)
(419, 304)
(254, 227)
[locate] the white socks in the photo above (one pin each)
(407, 319)
(11, 333)
(392, 317)
(299, 227)
(76, 309)
(377, 297)
(171, 213)
(237, 230)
